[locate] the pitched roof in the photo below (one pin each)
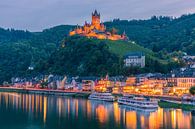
(136, 53)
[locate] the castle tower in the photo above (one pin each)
(96, 19)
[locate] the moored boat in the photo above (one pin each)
(102, 97)
(139, 102)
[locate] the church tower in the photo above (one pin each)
(96, 19)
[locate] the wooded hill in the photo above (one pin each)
(158, 37)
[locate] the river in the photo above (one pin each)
(30, 111)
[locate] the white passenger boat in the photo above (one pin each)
(102, 96)
(139, 102)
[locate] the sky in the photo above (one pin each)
(36, 15)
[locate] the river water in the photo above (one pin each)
(25, 111)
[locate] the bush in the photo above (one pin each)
(192, 90)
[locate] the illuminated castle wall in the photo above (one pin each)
(96, 30)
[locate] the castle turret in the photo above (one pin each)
(96, 19)
(124, 36)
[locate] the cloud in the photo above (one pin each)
(36, 15)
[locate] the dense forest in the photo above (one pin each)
(160, 33)
(91, 57)
(52, 51)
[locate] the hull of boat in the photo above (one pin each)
(139, 106)
(127, 107)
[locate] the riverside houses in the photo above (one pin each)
(134, 59)
(179, 85)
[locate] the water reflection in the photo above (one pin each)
(26, 111)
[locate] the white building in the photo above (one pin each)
(134, 59)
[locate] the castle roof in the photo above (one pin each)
(96, 13)
(136, 53)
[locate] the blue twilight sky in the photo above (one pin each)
(36, 15)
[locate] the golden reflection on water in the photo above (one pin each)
(102, 113)
(45, 109)
(131, 119)
(117, 113)
(89, 108)
(59, 106)
(43, 106)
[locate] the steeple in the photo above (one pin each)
(96, 20)
(124, 33)
(96, 14)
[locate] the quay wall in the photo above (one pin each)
(45, 92)
(75, 93)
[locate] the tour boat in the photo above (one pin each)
(102, 96)
(139, 102)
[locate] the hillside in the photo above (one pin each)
(92, 57)
(157, 37)
(80, 56)
(160, 33)
(122, 47)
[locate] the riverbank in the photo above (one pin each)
(77, 93)
(86, 95)
(176, 105)
(45, 92)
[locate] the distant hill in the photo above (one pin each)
(11, 35)
(160, 33)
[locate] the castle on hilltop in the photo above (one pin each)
(97, 30)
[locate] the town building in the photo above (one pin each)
(88, 85)
(188, 71)
(190, 60)
(131, 81)
(134, 59)
(104, 85)
(96, 29)
(185, 82)
(179, 85)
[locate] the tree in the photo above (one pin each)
(44, 84)
(192, 90)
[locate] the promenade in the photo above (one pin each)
(46, 91)
(75, 93)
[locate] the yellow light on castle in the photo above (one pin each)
(96, 30)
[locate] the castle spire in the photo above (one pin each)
(124, 33)
(95, 13)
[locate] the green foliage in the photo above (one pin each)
(82, 57)
(91, 57)
(11, 35)
(44, 84)
(160, 33)
(122, 47)
(176, 106)
(20, 49)
(192, 90)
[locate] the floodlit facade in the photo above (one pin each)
(87, 85)
(134, 59)
(185, 82)
(96, 29)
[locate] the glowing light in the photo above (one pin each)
(45, 109)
